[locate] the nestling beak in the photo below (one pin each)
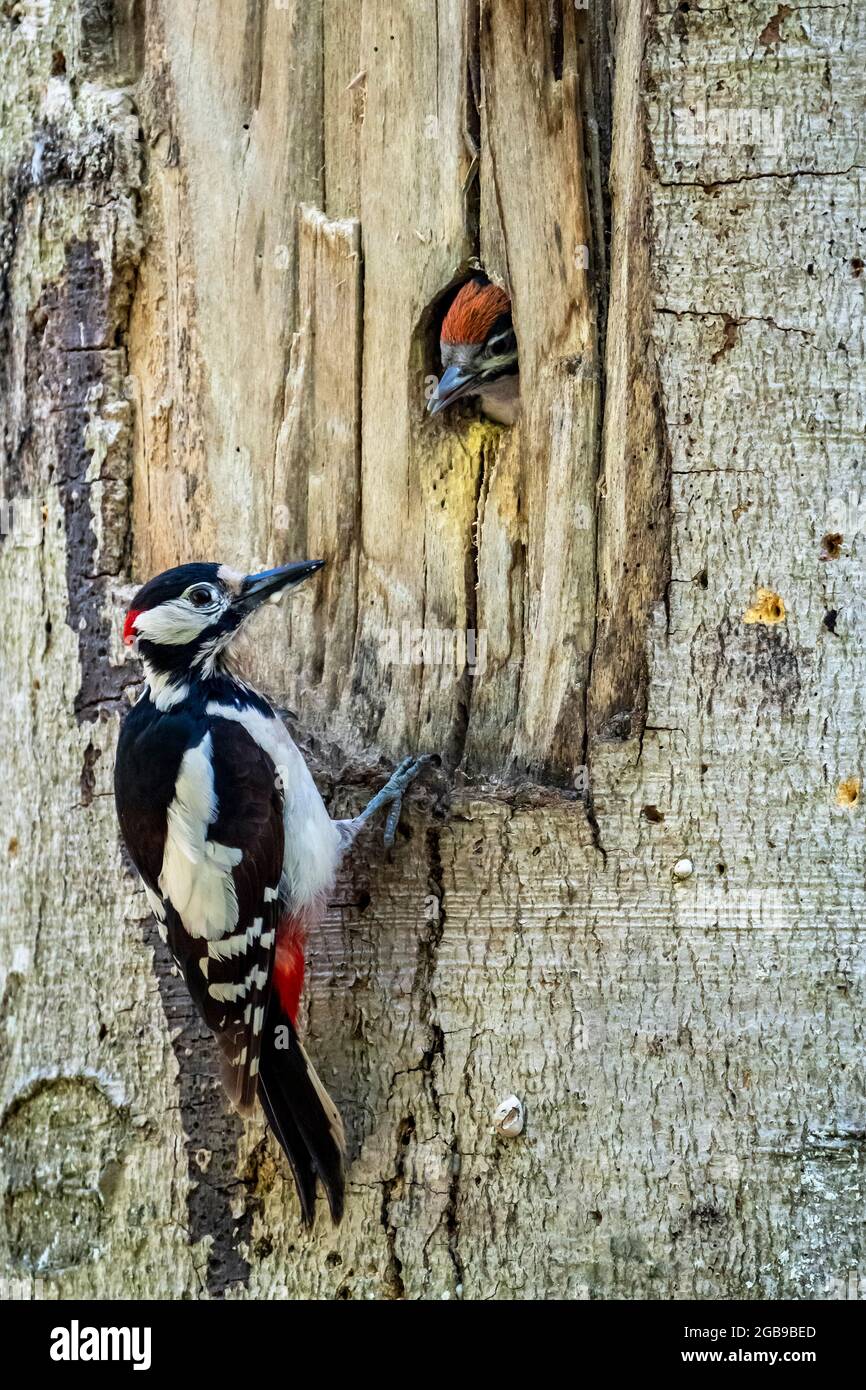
(454, 383)
(256, 588)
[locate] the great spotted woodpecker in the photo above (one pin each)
(234, 845)
(479, 352)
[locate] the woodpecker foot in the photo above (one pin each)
(391, 795)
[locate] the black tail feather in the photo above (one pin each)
(293, 1146)
(302, 1115)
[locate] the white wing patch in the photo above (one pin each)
(157, 906)
(228, 994)
(237, 944)
(312, 840)
(231, 993)
(196, 872)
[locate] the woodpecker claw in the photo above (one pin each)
(392, 822)
(397, 785)
(391, 795)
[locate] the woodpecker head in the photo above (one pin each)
(181, 622)
(477, 345)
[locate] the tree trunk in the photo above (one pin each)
(634, 897)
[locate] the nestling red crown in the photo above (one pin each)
(473, 313)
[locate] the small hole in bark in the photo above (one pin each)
(706, 1215)
(856, 267)
(767, 609)
(703, 579)
(652, 814)
(831, 545)
(830, 619)
(848, 792)
(721, 869)
(363, 901)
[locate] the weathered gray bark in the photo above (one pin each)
(225, 231)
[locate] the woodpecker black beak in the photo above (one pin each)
(454, 383)
(256, 588)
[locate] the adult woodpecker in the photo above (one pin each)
(479, 352)
(234, 845)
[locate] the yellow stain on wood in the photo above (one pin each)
(848, 792)
(478, 442)
(768, 608)
(480, 435)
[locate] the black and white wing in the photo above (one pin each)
(220, 885)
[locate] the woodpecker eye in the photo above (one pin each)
(200, 596)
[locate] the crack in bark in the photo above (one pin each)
(429, 947)
(710, 185)
(596, 139)
(427, 967)
(460, 733)
(77, 375)
(732, 321)
(394, 1270)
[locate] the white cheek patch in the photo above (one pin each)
(173, 623)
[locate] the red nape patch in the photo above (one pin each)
(473, 313)
(289, 966)
(129, 633)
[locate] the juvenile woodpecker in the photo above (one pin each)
(479, 352)
(234, 845)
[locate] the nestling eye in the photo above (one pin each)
(200, 597)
